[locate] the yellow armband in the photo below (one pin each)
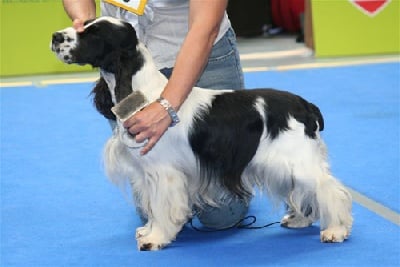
(134, 6)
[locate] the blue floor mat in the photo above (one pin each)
(58, 209)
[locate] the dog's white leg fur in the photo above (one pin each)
(294, 168)
(327, 200)
(160, 193)
(335, 210)
(166, 204)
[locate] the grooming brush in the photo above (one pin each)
(128, 106)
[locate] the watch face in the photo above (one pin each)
(164, 102)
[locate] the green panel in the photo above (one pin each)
(341, 29)
(26, 27)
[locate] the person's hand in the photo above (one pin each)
(78, 25)
(149, 124)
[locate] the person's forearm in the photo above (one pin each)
(80, 9)
(189, 65)
(193, 56)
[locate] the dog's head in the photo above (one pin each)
(102, 42)
(108, 43)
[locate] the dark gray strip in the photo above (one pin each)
(375, 207)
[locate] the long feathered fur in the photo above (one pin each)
(227, 143)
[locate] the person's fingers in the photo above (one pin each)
(149, 145)
(130, 124)
(140, 137)
(78, 25)
(149, 124)
(152, 135)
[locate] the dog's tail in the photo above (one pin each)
(318, 116)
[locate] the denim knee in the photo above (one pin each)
(225, 216)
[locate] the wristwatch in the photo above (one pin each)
(171, 112)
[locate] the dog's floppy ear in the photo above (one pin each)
(130, 39)
(102, 99)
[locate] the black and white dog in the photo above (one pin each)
(226, 140)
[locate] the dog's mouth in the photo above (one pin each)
(67, 58)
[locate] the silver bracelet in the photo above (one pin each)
(171, 112)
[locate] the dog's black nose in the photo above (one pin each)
(58, 38)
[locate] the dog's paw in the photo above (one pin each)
(149, 246)
(295, 221)
(151, 242)
(151, 238)
(334, 234)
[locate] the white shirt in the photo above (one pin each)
(162, 27)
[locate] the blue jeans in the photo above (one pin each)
(223, 71)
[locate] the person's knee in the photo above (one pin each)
(224, 216)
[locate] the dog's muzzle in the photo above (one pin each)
(62, 43)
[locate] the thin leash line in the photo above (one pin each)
(239, 225)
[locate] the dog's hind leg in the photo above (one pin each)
(302, 207)
(335, 209)
(300, 174)
(317, 194)
(166, 203)
(334, 201)
(298, 218)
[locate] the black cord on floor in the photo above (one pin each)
(239, 225)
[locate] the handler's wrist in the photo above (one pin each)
(171, 111)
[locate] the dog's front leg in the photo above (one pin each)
(167, 206)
